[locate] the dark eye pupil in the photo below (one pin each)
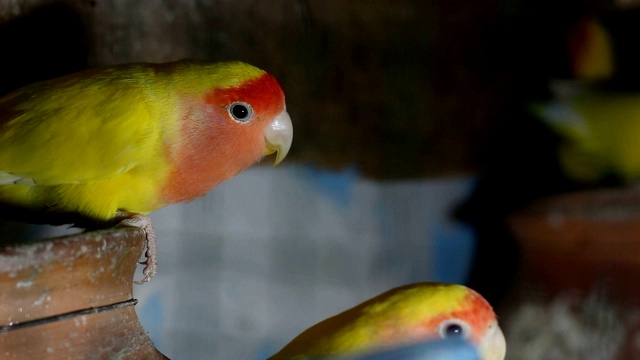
(240, 112)
(453, 330)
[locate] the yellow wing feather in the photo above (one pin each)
(92, 129)
(72, 130)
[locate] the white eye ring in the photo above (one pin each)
(240, 111)
(454, 328)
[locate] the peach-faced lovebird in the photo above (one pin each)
(113, 144)
(401, 316)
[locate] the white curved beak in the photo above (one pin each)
(278, 136)
(493, 346)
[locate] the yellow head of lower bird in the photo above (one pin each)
(401, 316)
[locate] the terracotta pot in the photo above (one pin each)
(579, 240)
(72, 298)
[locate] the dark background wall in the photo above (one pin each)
(400, 88)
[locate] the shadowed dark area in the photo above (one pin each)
(45, 43)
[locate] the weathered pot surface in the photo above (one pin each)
(72, 298)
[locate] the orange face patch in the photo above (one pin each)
(476, 312)
(214, 147)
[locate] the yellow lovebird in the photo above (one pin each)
(598, 121)
(110, 145)
(402, 316)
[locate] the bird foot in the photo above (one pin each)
(143, 222)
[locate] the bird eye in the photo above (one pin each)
(240, 111)
(454, 328)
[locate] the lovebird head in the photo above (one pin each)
(232, 115)
(402, 316)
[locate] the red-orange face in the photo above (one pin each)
(227, 131)
(472, 321)
(476, 322)
(469, 317)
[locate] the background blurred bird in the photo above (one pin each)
(595, 114)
